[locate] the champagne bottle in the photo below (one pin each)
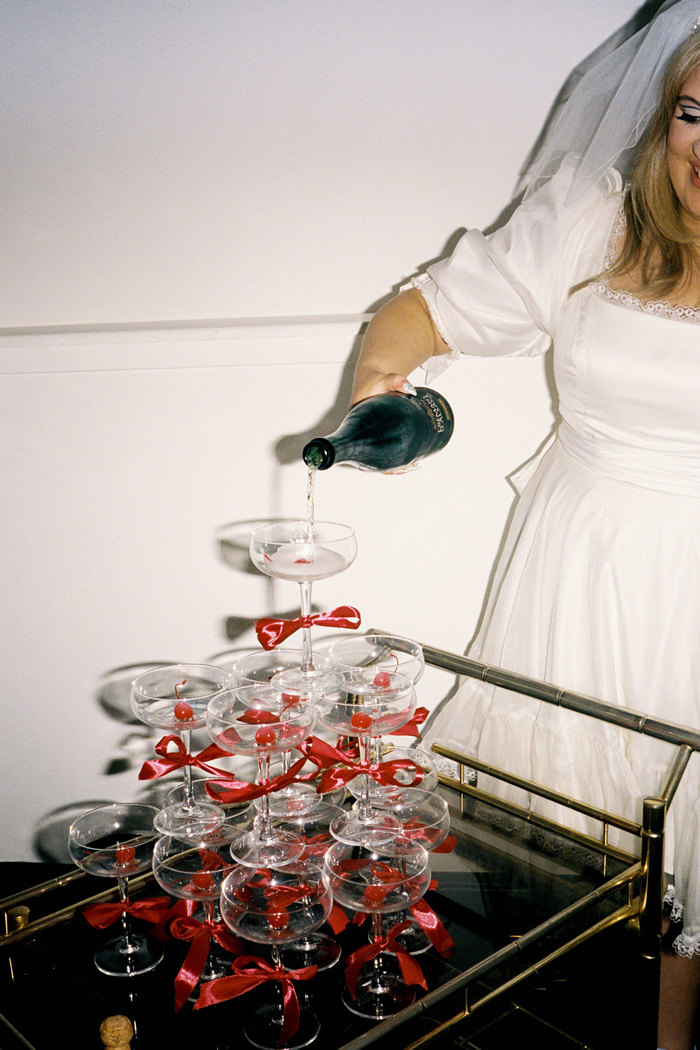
(386, 432)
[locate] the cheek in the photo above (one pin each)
(675, 142)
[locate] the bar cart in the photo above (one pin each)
(520, 895)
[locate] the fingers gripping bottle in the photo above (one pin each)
(386, 432)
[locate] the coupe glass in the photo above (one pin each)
(262, 665)
(282, 669)
(259, 721)
(378, 882)
(364, 709)
(116, 842)
(315, 948)
(425, 819)
(175, 698)
(277, 906)
(195, 873)
(234, 817)
(424, 814)
(380, 651)
(303, 551)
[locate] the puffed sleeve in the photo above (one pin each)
(501, 294)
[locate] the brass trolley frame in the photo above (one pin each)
(643, 878)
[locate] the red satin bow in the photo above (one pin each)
(225, 791)
(271, 631)
(150, 909)
(200, 934)
(410, 970)
(250, 972)
(337, 770)
(178, 759)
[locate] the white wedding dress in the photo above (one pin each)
(598, 586)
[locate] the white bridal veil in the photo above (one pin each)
(610, 98)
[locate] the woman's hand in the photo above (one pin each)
(372, 382)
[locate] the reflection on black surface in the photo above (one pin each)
(499, 883)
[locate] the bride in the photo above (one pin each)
(598, 585)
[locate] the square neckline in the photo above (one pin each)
(621, 296)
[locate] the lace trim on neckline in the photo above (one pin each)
(661, 307)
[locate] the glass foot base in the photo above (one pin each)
(378, 996)
(379, 829)
(190, 821)
(264, 1029)
(317, 949)
(117, 961)
(294, 801)
(217, 965)
(414, 940)
(254, 852)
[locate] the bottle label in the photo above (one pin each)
(437, 411)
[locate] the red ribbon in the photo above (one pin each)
(432, 928)
(412, 728)
(416, 830)
(250, 972)
(225, 791)
(428, 922)
(178, 759)
(201, 935)
(337, 770)
(410, 970)
(337, 920)
(271, 631)
(150, 909)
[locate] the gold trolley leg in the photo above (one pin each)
(653, 825)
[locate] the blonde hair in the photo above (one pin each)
(657, 242)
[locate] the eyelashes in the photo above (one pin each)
(688, 118)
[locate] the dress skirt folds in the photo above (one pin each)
(597, 589)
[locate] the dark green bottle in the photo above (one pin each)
(386, 432)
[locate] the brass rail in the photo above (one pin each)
(623, 717)
(630, 826)
(535, 819)
(63, 914)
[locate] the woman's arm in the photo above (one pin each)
(399, 338)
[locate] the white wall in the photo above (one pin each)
(166, 164)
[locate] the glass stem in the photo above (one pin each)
(264, 813)
(307, 663)
(209, 970)
(364, 804)
(276, 956)
(187, 771)
(377, 971)
(128, 944)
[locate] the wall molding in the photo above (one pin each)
(243, 342)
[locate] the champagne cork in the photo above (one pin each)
(116, 1032)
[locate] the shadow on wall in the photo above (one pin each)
(136, 744)
(288, 448)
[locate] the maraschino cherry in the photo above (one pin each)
(265, 736)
